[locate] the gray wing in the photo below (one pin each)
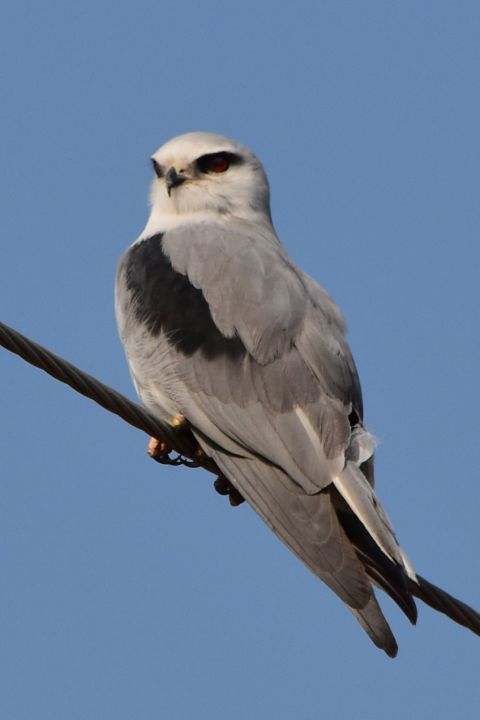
(309, 526)
(215, 322)
(292, 396)
(220, 326)
(269, 399)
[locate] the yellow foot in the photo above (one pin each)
(158, 449)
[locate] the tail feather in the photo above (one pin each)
(386, 574)
(441, 601)
(333, 541)
(309, 526)
(378, 630)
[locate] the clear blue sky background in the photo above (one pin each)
(133, 591)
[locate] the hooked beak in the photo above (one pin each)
(172, 179)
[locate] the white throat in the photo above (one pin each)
(166, 214)
(161, 221)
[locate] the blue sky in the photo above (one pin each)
(130, 590)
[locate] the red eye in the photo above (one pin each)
(214, 163)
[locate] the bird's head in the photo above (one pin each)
(200, 175)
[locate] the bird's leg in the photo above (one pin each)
(225, 487)
(157, 449)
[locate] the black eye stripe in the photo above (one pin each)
(207, 163)
(157, 168)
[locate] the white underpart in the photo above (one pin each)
(160, 222)
(363, 443)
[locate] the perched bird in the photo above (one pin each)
(223, 332)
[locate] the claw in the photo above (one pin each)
(222, 485)
(235, 498)
(225, 487)
(157, 449)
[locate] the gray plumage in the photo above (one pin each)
(220, 327)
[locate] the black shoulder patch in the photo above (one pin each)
(165, 300)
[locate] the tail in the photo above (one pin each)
(309, 526)
(395, 581)
(333, 541)
(440, 600)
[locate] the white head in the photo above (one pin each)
(201, 175)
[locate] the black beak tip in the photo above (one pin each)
(172, 179)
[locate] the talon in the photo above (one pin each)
(222, 485)
(225, 487)
(199, 454)
(235, 498)
(158, 449)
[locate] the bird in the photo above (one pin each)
(226, 336)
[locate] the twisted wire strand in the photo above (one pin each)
(181, 442)
(184, 444)
(445, 603)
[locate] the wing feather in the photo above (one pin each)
(270, 389)
(308, 525)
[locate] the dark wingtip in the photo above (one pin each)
(392, 651)
(377, 628)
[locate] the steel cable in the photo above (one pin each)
(182, 442)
